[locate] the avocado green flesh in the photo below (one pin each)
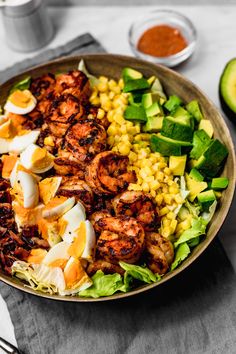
(228, 85)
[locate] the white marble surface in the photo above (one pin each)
(216, 36)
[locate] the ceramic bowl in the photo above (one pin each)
(112, 65)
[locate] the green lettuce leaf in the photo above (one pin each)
(140, 273)
(22, 85)
(182, 252)
(198, 228)
(82, 67)
(194, 209)
(105, 285)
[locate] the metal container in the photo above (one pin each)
(27, 25)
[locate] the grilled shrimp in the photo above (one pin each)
(41, 86)
(106, 267)
(107, 173)
(85, 139)
(74, 187)
(139, 205)
(95, 217)
(64, 110)
(159, 251)
(93, 111)
(67, 164)
(121, 239)
(75, 82)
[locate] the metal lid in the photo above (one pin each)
(20, 8)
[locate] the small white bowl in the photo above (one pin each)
(164, 17)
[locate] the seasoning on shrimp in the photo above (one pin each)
(107, 174)
(138, 205)
(121, 239)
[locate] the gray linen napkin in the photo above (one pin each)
(79, 45)
(191, 314)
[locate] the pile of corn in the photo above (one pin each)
(152, 171)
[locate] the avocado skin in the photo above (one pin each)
(228, 112)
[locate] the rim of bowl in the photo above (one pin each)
(183, 54)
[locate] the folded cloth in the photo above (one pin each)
(79, 45)
(193, 313)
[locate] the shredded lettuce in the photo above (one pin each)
(194, 209)
(182, 252)
(40, 277)
(82, 67)
(105, 285)
(143, 274)
(207, 216)
(22, 85)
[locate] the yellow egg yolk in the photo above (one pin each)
(55, 202)
(77, 247)
(61, 263)
(48, 188)
(21, 98)
(36, 255)
(74, 273)
(8, 165)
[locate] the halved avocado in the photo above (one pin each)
(227, 89)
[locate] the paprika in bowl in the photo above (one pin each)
(164, 37)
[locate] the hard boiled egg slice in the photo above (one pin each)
(29, 189)
(49, 231)
(58, 255)
(20, 102)
(36, 159)
(6, 130)
(57, 207)
(24, 217)
(70, 221)
(20, 143)
(76, 279)
(48, 188)
(83, 245)
(14, 173)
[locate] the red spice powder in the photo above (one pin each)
(161, 41)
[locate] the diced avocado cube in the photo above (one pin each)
(219, 183)
(135, 113)
(172, 103)
(147, 100)
(214, 157)
(135, 98)
(177, 164)
(180, 112)
(134, 85)
(194, 109)
(206, 125)
(131, 74)
(195, 174)
(206, 199)
(167, 146)
(175, 129)
(153, 110)
(201, 141)
(153, 124)
(194, 187)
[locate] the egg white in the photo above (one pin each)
(29, 189)
(59, 209)
(59, 251)
(73, 218)
(12, 108)
(26, 159)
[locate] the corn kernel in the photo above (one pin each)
(110, 140)
(112, 129)
(103, 79)
(166, 232)
(173, 225)
(134, 187)
(123, 129)
(93, 95)
(178, 199)
(153, 193)
(163, 211)
(165, 221)
(173, 190)
(121, 83)
(102, 87)
(132, 156)
(167, 171)
(49, 141)
(124, 149)
(159, 176)
(154, 185)
(119, 118)
(170, 215)
(100, 113)
(145, 187)
(162, 164)
(168, 199)
(95, 101)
